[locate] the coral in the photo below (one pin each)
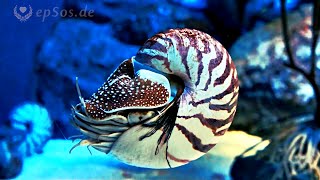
(295, 151)
(302, 153)
(35, 126)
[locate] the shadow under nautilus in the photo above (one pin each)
(171, 110)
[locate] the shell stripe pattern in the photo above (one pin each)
(169, 115)
(208, 103)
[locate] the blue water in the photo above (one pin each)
(21, 41)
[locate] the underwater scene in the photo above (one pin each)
(171, 89)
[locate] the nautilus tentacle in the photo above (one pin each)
(179, 110)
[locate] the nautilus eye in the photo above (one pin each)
(171, 110)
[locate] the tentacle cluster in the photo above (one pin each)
(106, 115)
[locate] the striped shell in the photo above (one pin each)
(35, 125)
(172, 110)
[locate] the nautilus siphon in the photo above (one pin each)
(164, 107)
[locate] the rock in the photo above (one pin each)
(134, 22)
(274, 90)
(76, 48)
(251, 168)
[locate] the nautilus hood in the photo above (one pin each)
(125, 90)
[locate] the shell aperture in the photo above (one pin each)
(177, 115)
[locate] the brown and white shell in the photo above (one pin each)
(171, 111)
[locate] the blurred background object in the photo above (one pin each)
(42, 54)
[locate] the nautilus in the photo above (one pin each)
(164, 107)
(34, 125)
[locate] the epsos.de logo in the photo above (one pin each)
(23, 13)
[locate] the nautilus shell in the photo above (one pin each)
(35, 126)
(166, 106)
